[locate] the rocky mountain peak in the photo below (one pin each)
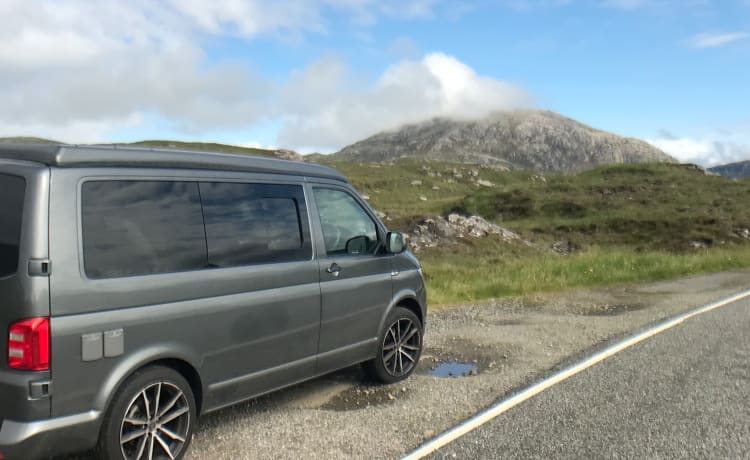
(528, 139)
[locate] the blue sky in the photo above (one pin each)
(315, 75)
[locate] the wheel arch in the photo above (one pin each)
(407, 299)
(190, 374)
(411, 303)
(179, 362)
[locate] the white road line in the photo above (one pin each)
(502, 406)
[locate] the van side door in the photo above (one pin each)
(355, 277)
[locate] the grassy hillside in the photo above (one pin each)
(627, 223)
(389, 186)
(648, 206)
(658, 206)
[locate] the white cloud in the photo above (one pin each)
(712, 40)
(78, 131)
(706, 152)
(367, 11)
(325, 106)
(126, 82)
(685, 150)
(252, 17)
(49, 34)
(75, 69)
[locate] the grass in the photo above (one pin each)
(659, 206)
(477, 274)
(646, 205)
(443, 185)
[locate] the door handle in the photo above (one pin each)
(334, 269)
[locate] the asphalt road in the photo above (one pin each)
(684, 393)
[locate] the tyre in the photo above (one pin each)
(152, 416)
(399, 348)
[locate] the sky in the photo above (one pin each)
(317, 75)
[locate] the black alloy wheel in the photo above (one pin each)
(151, 417)
(399, 349)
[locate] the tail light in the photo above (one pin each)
(28, 344)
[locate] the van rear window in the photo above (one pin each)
(13, 190)
(141, 228)
(135, 228)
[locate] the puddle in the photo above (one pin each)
(453, 369)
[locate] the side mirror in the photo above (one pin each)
(395, 243)
(357, 245)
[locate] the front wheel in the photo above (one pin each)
(152, 416)
(399, 349)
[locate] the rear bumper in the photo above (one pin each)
(43, 438)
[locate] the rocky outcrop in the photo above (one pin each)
(439, 231)
(528, 139)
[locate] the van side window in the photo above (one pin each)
(11, 215)
(255, 223)
(347, 228)
(141, 227)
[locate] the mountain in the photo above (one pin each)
(733, 170)
(526, 139)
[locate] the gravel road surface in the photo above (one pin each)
(684, 393)
(513, 342)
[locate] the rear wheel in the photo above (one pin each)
(152, 416)
(399, 349)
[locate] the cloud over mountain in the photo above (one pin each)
(325, 107)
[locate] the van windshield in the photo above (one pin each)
(12, 191)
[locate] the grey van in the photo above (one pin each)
(140, 288)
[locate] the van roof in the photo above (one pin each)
(64, 155)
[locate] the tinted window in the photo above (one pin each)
(255, 223)
(141, 227)
(342, 220)
(13, 190)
